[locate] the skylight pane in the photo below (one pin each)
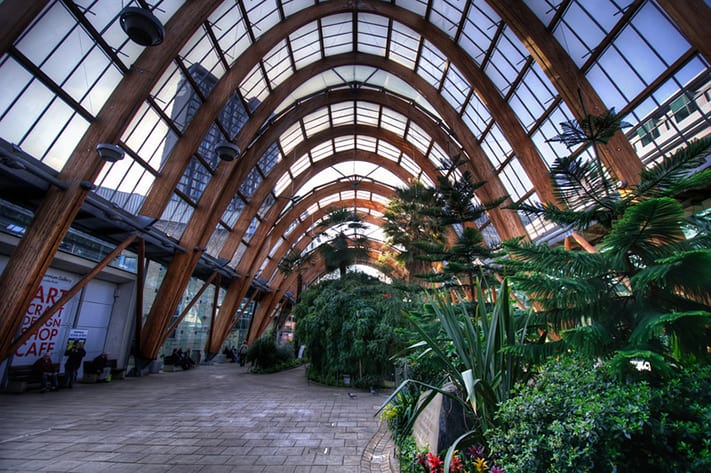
(372, 34)
(305, 45)
(337, 31)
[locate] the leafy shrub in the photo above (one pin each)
(577, 416)
(349, 327)
(268, 357)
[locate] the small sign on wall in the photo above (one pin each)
(75, 336)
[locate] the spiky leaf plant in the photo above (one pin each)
(646, 290)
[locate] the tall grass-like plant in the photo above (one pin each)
(472, 356)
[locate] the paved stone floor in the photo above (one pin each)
(212, 419)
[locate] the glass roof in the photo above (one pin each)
(317, 93)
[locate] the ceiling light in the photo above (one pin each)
(110, 153)
(142, 26)
(227, 151)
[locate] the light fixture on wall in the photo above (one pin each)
(142, 26)
(227, 151)
(110, 153)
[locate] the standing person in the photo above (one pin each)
(49, 374)
(74, 356)
(243, 353)
(102, 368)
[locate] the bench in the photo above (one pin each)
(90, 375)
(24, 378)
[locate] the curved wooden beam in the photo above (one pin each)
(618, 155)
(693, 18)
(15, 16)
(238, 288)
(55, 214)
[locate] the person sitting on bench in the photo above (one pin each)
(49, 375)
(102, 367)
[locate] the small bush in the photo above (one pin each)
(579, 417)
(268, 357)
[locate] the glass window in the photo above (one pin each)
(648, 131)
(681, 107)
(372, 34)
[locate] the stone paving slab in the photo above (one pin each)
(213, 419)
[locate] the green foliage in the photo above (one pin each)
(268, 357)
(349, 326)
(578, 416)
(646, 291)
(400, 414)
(472, 357)
(408, 220)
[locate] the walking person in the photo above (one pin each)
(243, 354)
(74, 355)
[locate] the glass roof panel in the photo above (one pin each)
(416, 6)
(476, 116)
(262, 14)
(282, 183)
(367, 113)
(388, 150)
(480, 27)
(496, 146)
(431, 65)
(506, 61)
(532, 97)
(408, 163)
(343, 113)
(316, 122)
(404, 44)
(372, 34)
(417, 136)
(337, 31)
(322, 150)
(199, 51)
(578, 34)
(446, 15)
(393, 121)
(300, 165)
(102, 14)
(366, 143)
(292, 6)
(456, 88)
(255, 85)
(278, 64)
(305, 45)
(291, 137)
(344, 143)
(230, 30)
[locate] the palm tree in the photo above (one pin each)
(342, 251)
(295, 262)
(644, 293)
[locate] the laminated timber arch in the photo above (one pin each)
(53, 218)
(181, 267)
(237, 288)
(41, 240)
(273, 302)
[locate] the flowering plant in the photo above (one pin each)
(472, 460)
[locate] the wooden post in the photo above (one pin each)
(17, 343)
